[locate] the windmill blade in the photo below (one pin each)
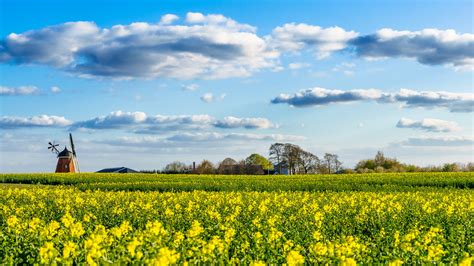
(72, 145)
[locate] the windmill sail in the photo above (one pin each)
(74, 157)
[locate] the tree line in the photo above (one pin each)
(287, 158)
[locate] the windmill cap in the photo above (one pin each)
(65, 153)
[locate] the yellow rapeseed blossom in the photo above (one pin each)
(294, 258)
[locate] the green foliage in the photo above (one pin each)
(257, 159)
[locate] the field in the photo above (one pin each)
(160, 219)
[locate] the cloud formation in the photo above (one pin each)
(214, 46)
(140, 122)
(209, 47)
(322, 41)
(249, 123)
(455, 102)
(13, 122)
(439, 141)
(429, 124)
(18, 91)
(209, 97)
(428, 46)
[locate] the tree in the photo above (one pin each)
(332, 163)
(291, 155)
(308, 162)
(226, 167)
(276, 154)
(205, 167)
(176, 168)
(451, 167)
(257, 159)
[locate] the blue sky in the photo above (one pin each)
(227, 78)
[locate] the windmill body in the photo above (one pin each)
(67, 160)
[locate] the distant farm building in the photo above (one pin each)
(122, 170)
(280, 169)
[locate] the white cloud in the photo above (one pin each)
(168, 19)
(209, 97)
(455, 102)
(12, 122)
(323, 41)
(55, 89)
(429, 124)
(212, 47)
(17, 91)
(249, 123)
(428, 46)
(321, 96)
(439, 141)
(140, 122)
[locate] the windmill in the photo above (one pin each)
(67, 160)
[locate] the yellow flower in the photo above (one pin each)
(12, 221)
(33, 224)
(294, 258)
(397, 262)
(348, 262)
(258, 263)
(77, 230)
(69, 250)
(67, 220)
(47, 252)
(132, 246)
(317, 235)
(320, 249)
(156, 228)
(165, 257)
(466, 261)
(196, 229)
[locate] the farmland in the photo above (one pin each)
(176, 219)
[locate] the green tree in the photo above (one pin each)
(257, 159)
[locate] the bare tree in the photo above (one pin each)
(308, 162)
(205, 167)
(276, 154)
(332, 163)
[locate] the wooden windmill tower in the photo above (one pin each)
(67, 160)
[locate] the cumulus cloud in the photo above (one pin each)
(455, 102)
(168, 19)
(428, 46)
(429, 124)
(249, 123)
(140, 122)
(439, 141)
(211, 47)
(321, 96)
(13, 122)
(323, 41)
(16, 91)
(209, 97)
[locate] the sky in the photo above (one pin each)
(144, 83)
